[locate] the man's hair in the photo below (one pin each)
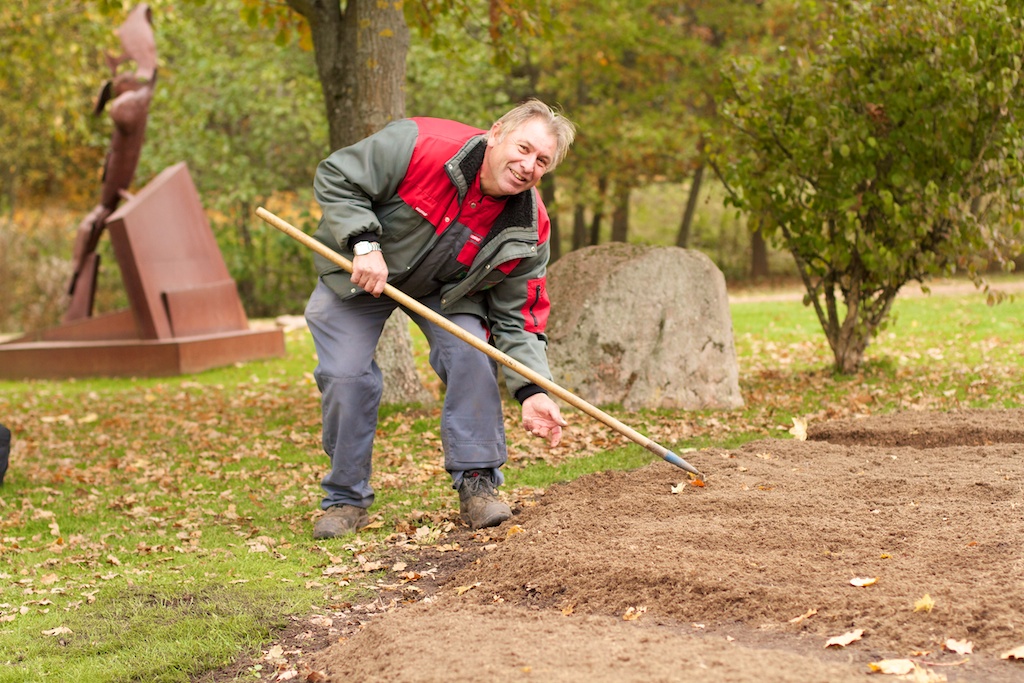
(558, 125)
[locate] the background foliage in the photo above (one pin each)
(883, 148)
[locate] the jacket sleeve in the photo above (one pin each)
(517, 312)
(352, 181)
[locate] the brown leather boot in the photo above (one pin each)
(478, 501)
(340, 520)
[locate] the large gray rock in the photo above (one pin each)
(644, 327)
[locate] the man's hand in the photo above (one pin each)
(541, 417)
(370, 272)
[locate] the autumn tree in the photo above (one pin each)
(888, 150)
(638, 77)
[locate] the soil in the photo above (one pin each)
(643, 576)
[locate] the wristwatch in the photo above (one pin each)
(363, 248)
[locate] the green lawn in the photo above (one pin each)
(153, 529)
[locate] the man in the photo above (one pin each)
(448, 214)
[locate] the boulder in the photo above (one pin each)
(642, 326)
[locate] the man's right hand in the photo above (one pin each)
(370, 272)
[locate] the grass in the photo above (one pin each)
(154, 529)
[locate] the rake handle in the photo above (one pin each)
(506, 360)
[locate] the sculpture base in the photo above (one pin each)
(135, 357)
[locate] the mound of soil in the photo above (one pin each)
(640, 576)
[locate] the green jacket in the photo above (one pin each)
(405, 187)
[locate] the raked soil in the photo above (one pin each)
(641, 576)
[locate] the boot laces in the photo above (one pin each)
(477, 483)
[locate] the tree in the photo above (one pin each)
(889, 152)
(49, 48)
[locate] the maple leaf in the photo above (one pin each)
(898, 667)
(1015, 653)
(961, 647)
(924, 604)
(845, 639)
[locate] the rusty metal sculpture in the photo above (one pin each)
(129, 94)
(185, 314)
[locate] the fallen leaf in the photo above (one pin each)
(862, 582)
(91, 417)
(897, 667)
(513, 530)
(924, 604)
(699, 483)
(679, 488)
(1015, 653)
(399, 567)
(845, 639)
(568, 609)
(806, 615)
(799, 429)
(465, 589)
(634, 613)
(61, 630)
(961, 647)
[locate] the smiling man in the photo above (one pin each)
(448, 214)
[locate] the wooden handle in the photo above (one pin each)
(506, 360)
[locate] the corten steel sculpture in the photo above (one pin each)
(185, 314)
(129, 94)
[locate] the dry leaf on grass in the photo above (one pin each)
(61, 630)
(897, 667)
(961, 647)
(845, 639)
(1015, 653)
(861, 582)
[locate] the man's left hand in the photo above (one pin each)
(541, 417)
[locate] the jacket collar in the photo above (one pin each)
(520, 209)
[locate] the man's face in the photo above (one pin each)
(519, 161)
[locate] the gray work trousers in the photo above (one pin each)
(345, 333)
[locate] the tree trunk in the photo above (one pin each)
(579, 227)
(620, 214)
(360, 58)
(394, 357)
(683, 238)
(547, 192)
(758, 255)
(595, 224)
